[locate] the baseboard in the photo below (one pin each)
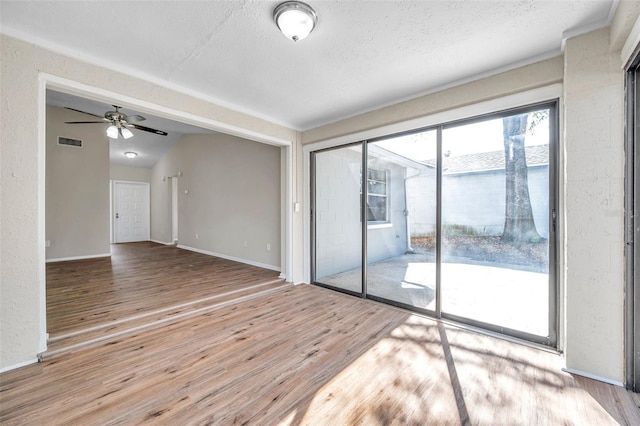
(593, 377)
(20, 364)
(65, 259)
(235, 259)
(161, 242)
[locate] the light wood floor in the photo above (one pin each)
(138, 278)
(306, 355)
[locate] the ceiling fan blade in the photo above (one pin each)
(84, 112)
(147, 129)
(83, 122)
(134, 118)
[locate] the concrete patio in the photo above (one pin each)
(493, 293)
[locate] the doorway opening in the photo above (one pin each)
(50, 83)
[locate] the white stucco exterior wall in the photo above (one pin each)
(594, 206)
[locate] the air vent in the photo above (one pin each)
(69, 142)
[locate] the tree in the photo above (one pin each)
(519, 226)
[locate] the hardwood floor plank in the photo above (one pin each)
(138, 278)
(304, 355)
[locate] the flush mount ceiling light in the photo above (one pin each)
(131, 154)
(295, 19)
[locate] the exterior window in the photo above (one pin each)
(378, 196)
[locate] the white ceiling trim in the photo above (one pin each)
(102, 95)
(94, 60)
(584, 29)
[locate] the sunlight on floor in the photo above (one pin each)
(419, 372)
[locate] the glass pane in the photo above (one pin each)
(377, 188)
(401, 253)
(338, 238)
(495, 222)
(377, 208)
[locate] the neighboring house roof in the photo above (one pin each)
(537, 155)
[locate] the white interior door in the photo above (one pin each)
(131, 212)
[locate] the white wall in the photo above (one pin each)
(77, 189)
(131, 174)
(529, 77)
(22, 155)
(228, 194)
(477, 200)
(594, 209)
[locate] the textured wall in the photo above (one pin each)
(22, 252)
(233, 196)
(77, 188)
(594, 215)
(131, 174)
(530, 77)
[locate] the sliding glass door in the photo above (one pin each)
(496, 222)
(455, 221)
(401, 215)
(337, 248)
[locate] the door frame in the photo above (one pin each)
(632, 232)
(114, 203)
(174, 209)
(550, 97)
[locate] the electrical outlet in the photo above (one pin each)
(268, 247)
(197, 237)
(47, 243)
(245, 243)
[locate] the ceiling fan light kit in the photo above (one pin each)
(126, 133)
(295, 19)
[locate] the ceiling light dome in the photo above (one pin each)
(130, 154)
(295, 19)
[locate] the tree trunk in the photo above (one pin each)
(518, 224)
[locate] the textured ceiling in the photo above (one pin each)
(362, 55)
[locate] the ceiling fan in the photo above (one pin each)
(119, 123)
